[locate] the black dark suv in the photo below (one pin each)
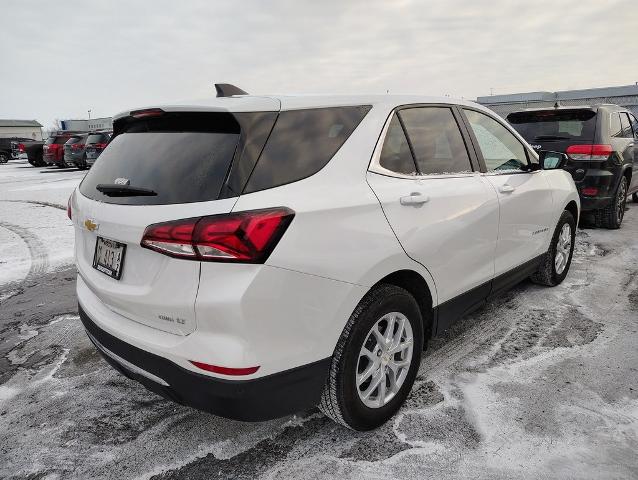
(600, 142)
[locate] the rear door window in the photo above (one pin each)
(181, 157)
(302, 142)
(501, 149)
(436, 140)
(396, 155)
(634, 124)
(569, 124)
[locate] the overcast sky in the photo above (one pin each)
(60, 58)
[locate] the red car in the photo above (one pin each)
(53, 150)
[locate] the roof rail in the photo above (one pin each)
(228, 90)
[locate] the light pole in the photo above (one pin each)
(89, 110)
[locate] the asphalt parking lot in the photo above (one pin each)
(541, 383)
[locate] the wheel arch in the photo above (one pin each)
(572, 208)
(417, 286)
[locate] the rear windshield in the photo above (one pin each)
(96, 138)
(73, 140)
(57, 140)
(183, 158)
(555, 125)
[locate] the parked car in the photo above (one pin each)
(7, 147)
(32, 149)
(53, 150)
(95, 144)
(295, 251)
(74, 151)
(600, 143)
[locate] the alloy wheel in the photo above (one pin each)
(621, 199)
(384, 360)
(563, 248)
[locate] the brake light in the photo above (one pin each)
(225, 370)
(77, 146)
(246, 237)
(101, 146)
(149, 112)
(590, 191)
(21, 147)
(598, 153)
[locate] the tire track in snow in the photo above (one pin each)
(35, 202)
(37, 250)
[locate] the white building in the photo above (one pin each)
(20, 128)
(91, 124)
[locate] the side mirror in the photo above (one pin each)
(552, 160)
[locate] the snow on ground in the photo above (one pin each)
(35, 234)
(541, 383)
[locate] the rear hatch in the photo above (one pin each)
(556, 130)
(95, 143)
(68, 147)
(159, 167)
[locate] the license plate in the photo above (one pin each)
(109, 257)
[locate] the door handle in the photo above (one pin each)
(415, 198)
(506, 188)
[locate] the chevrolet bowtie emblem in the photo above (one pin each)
(90, 225)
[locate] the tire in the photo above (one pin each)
(612, 216)
(341, 399)
(550, 272)
(634, 197)
(4, 158)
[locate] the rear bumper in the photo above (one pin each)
(259, 399)
(604, 181)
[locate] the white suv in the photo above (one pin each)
(255, 256)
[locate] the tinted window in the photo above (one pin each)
(96, 138)
(182, 157)
(302, 142)
(436, 140)
(634, 125)
(396, 155)
(57, 140)
(536, 126)
(501, 149)
(626, 126)
(615, 127)
(73, 140)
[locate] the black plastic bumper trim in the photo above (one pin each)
(253, 400)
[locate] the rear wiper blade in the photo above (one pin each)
(115, 190)
(551, 137)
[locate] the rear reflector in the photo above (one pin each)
(246, 237)
(597, 153)
(589, 191)
(225, 370)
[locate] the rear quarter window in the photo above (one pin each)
(302, 143)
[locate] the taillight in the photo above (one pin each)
(225, 370)
(246, 237)
(69, 213)
(77, 146)
(21, 147)
(597, 153)
(101, 146)
(589, 191)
